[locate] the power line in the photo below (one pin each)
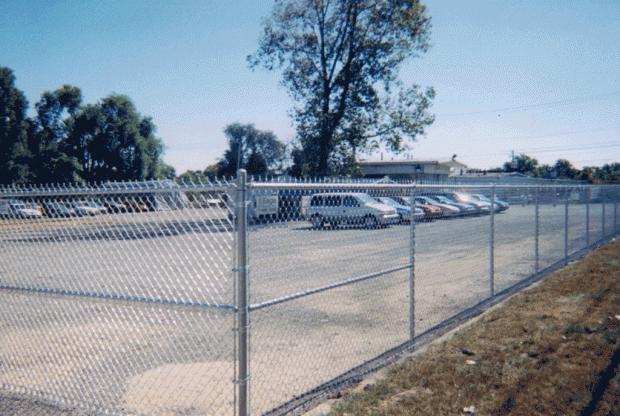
(533, 106)
(533, 151)
(569, 149)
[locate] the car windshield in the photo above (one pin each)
(443, 199)
(389, 201)
(482, 198)
(466, 198)
(365, 198)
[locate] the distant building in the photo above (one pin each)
(456, 168)
(415, 170)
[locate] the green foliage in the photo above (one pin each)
(340, 62)
(191, 177)
(48, 161)
(69, 142)
(562, 169)
(608, 173)
(522, 164)
(258, 152)
(165, 171)
(13, 127)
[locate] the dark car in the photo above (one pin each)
(136, 205)
(60, 209)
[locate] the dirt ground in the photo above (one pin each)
(551, 350)
(558, 336)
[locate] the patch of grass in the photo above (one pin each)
(574, 329)
(542, 352)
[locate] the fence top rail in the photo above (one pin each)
(120, 188)
(370, 185)
(115, 188)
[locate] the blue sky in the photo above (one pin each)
(530, 76)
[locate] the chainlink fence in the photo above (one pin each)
(253, 297)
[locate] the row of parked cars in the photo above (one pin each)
(55, 209)
(334, 208)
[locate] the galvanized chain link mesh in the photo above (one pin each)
(119, 297)
(123, 297)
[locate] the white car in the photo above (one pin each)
(481, 206)
(335, 208)
(499, 205)
(18, 209)
(404, 211)
(88, 208)
(466, 209)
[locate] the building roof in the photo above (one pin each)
(453, 163)
(493, 175)
(397, 162)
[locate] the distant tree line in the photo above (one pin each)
(562, 169)
(67, 141)
(71, 142)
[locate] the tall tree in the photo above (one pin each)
(13, 107)
(522, 164)
(258, 152)
(340, 61)
(50, 162)
(564, 169)
(608, 173)
(112, 141)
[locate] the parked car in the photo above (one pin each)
(499, 204)
(135, 205)
(466, 209)
(431, 212)
(404, 211)
(113, 206)
(350, 208)
(481, 206)
(446, 209)
(19, 209)
(88, 208)
(59, 209)
(418, 214)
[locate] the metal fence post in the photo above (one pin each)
(615, 217)
(412, 269)
(566, 224)
(588, 217)
(603, 224)
(492, 246)
(536, 229)
(242, 293)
